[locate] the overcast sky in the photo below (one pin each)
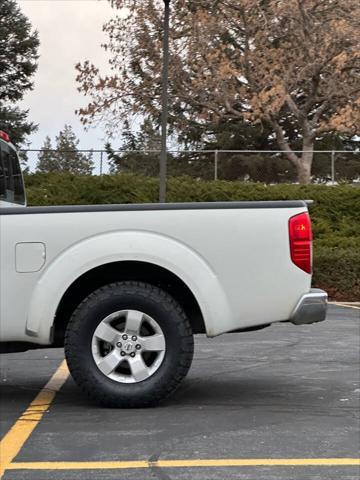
(70, 31)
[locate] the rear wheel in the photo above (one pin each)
(129, 344)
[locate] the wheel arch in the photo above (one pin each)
(124, 271)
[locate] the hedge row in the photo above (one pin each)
(335, 212)
(337, 270)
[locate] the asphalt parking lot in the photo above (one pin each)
(281, 403)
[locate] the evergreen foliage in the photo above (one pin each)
(141, 151)
(65, 157)
(18, 62)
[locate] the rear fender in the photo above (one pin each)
(153, 248)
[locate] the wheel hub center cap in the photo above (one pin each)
(129, 347)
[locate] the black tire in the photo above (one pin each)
(152, 301)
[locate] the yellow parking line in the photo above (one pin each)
(338, 304)
(251, 462)
(13, 441)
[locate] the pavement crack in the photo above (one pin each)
(157, 472)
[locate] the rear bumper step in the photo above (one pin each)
(311, 308)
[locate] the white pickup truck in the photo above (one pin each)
(125, 287)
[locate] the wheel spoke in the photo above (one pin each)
(126, 345)
(155, 343)
(133, 321)
(108, 364)
(107, 333)
(138, 368)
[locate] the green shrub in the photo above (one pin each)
(337, 270)
(67, 189)
(335, 212)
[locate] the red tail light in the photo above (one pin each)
(4, 136)
(300, 241)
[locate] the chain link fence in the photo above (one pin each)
(269, 167)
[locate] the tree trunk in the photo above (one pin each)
(305, 162)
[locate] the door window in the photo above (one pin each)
(11, 181)
(2, 178)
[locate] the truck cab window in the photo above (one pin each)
(2, 180)
(18, 184)
(11, 181)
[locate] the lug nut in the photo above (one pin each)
(134, 338)
(132, 354)
(119, 344)
(125, 337)
(123, 354)
(138, 347)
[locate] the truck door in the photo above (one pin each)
(11, 195)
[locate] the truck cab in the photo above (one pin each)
(12, 191)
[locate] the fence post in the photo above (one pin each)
(101, 163)
(333, 167)
(216, 164)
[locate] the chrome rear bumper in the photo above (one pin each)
(311, 308)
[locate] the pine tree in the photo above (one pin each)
(66, 156)
(142, 150)
(48, 161)
(18, 62)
